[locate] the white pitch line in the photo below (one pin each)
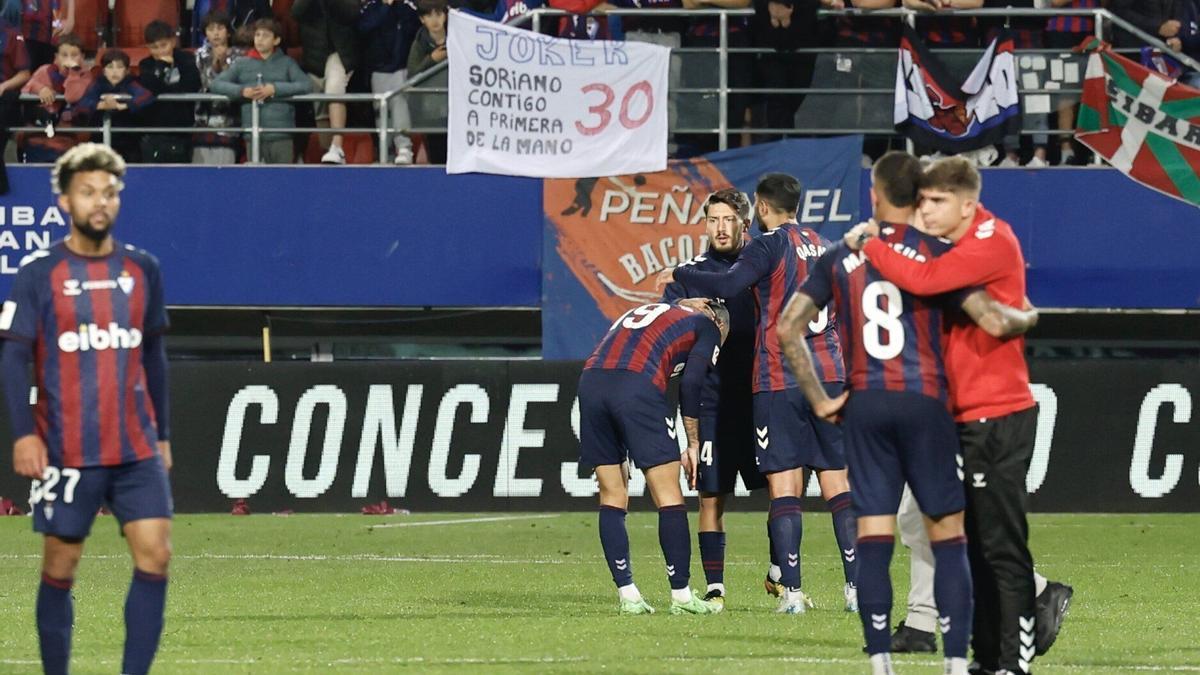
(490, 519)
(300, 557)
(533, 660)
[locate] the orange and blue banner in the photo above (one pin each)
(607, 238)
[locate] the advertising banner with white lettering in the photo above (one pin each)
(525, 104)
(607, 238)
(1112, 435)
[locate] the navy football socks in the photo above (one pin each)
(615, 541)
(845, 529)
(143, 620)
(712, 555)
(55, 616)
(785, 525)
(953, 593)
(875, 591)
(676, 543)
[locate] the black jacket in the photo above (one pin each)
(160, 77)
(388, 31)
(327, 26)
(1147, 15)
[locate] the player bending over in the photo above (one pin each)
(623, 413)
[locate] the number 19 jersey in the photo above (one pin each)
(893, 339)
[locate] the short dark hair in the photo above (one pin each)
(269, 23)
(217, 17)
(81, 159)
(897, 177)
(111, 55)
(953, 174)
(69, 39)
(780, 191)
(429, 6)
(158, 30)
(731, 197)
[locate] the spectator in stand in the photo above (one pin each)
(67, 77)
(1067, 32)
(264, 76)
(214, 58)
(1188, 13)
(1152, 16)
(330, 43)
(428, 50)
(503, 11)
(705, 32)
(241, 14)
(1026, 32)
(946, 31)
(388, 28)
(43, 21)
(587, 20)
(784, 26)
(168, 70)
(105, 97)
(15, 71)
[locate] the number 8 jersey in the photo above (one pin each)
(893, 339)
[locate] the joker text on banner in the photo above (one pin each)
(524, 104)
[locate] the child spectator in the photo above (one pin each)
(429, 49)
(238, 14)
(14, 73)
(263, 76)
(214, 58)
(168, 70)
(102, 97)
(330, 44)
(389, 27)
(65, 76)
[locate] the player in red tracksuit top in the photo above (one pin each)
(898, 427)
(992, 403)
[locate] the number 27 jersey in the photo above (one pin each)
(86, 319)
(893, 339)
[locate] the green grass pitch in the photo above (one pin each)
(530, 593)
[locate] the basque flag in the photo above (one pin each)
(952, 119)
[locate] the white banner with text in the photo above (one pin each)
(525, 104)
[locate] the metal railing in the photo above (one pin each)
(416, 86)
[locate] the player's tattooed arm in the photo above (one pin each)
(793, 323)
(998, 319)
(690, 457)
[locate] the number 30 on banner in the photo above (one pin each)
(601, 109)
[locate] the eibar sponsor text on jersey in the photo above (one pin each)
(91, 337)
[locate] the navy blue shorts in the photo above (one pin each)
(787, 435)
(893, 437)
(727, 449)
(622, 414)
(66, 501)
